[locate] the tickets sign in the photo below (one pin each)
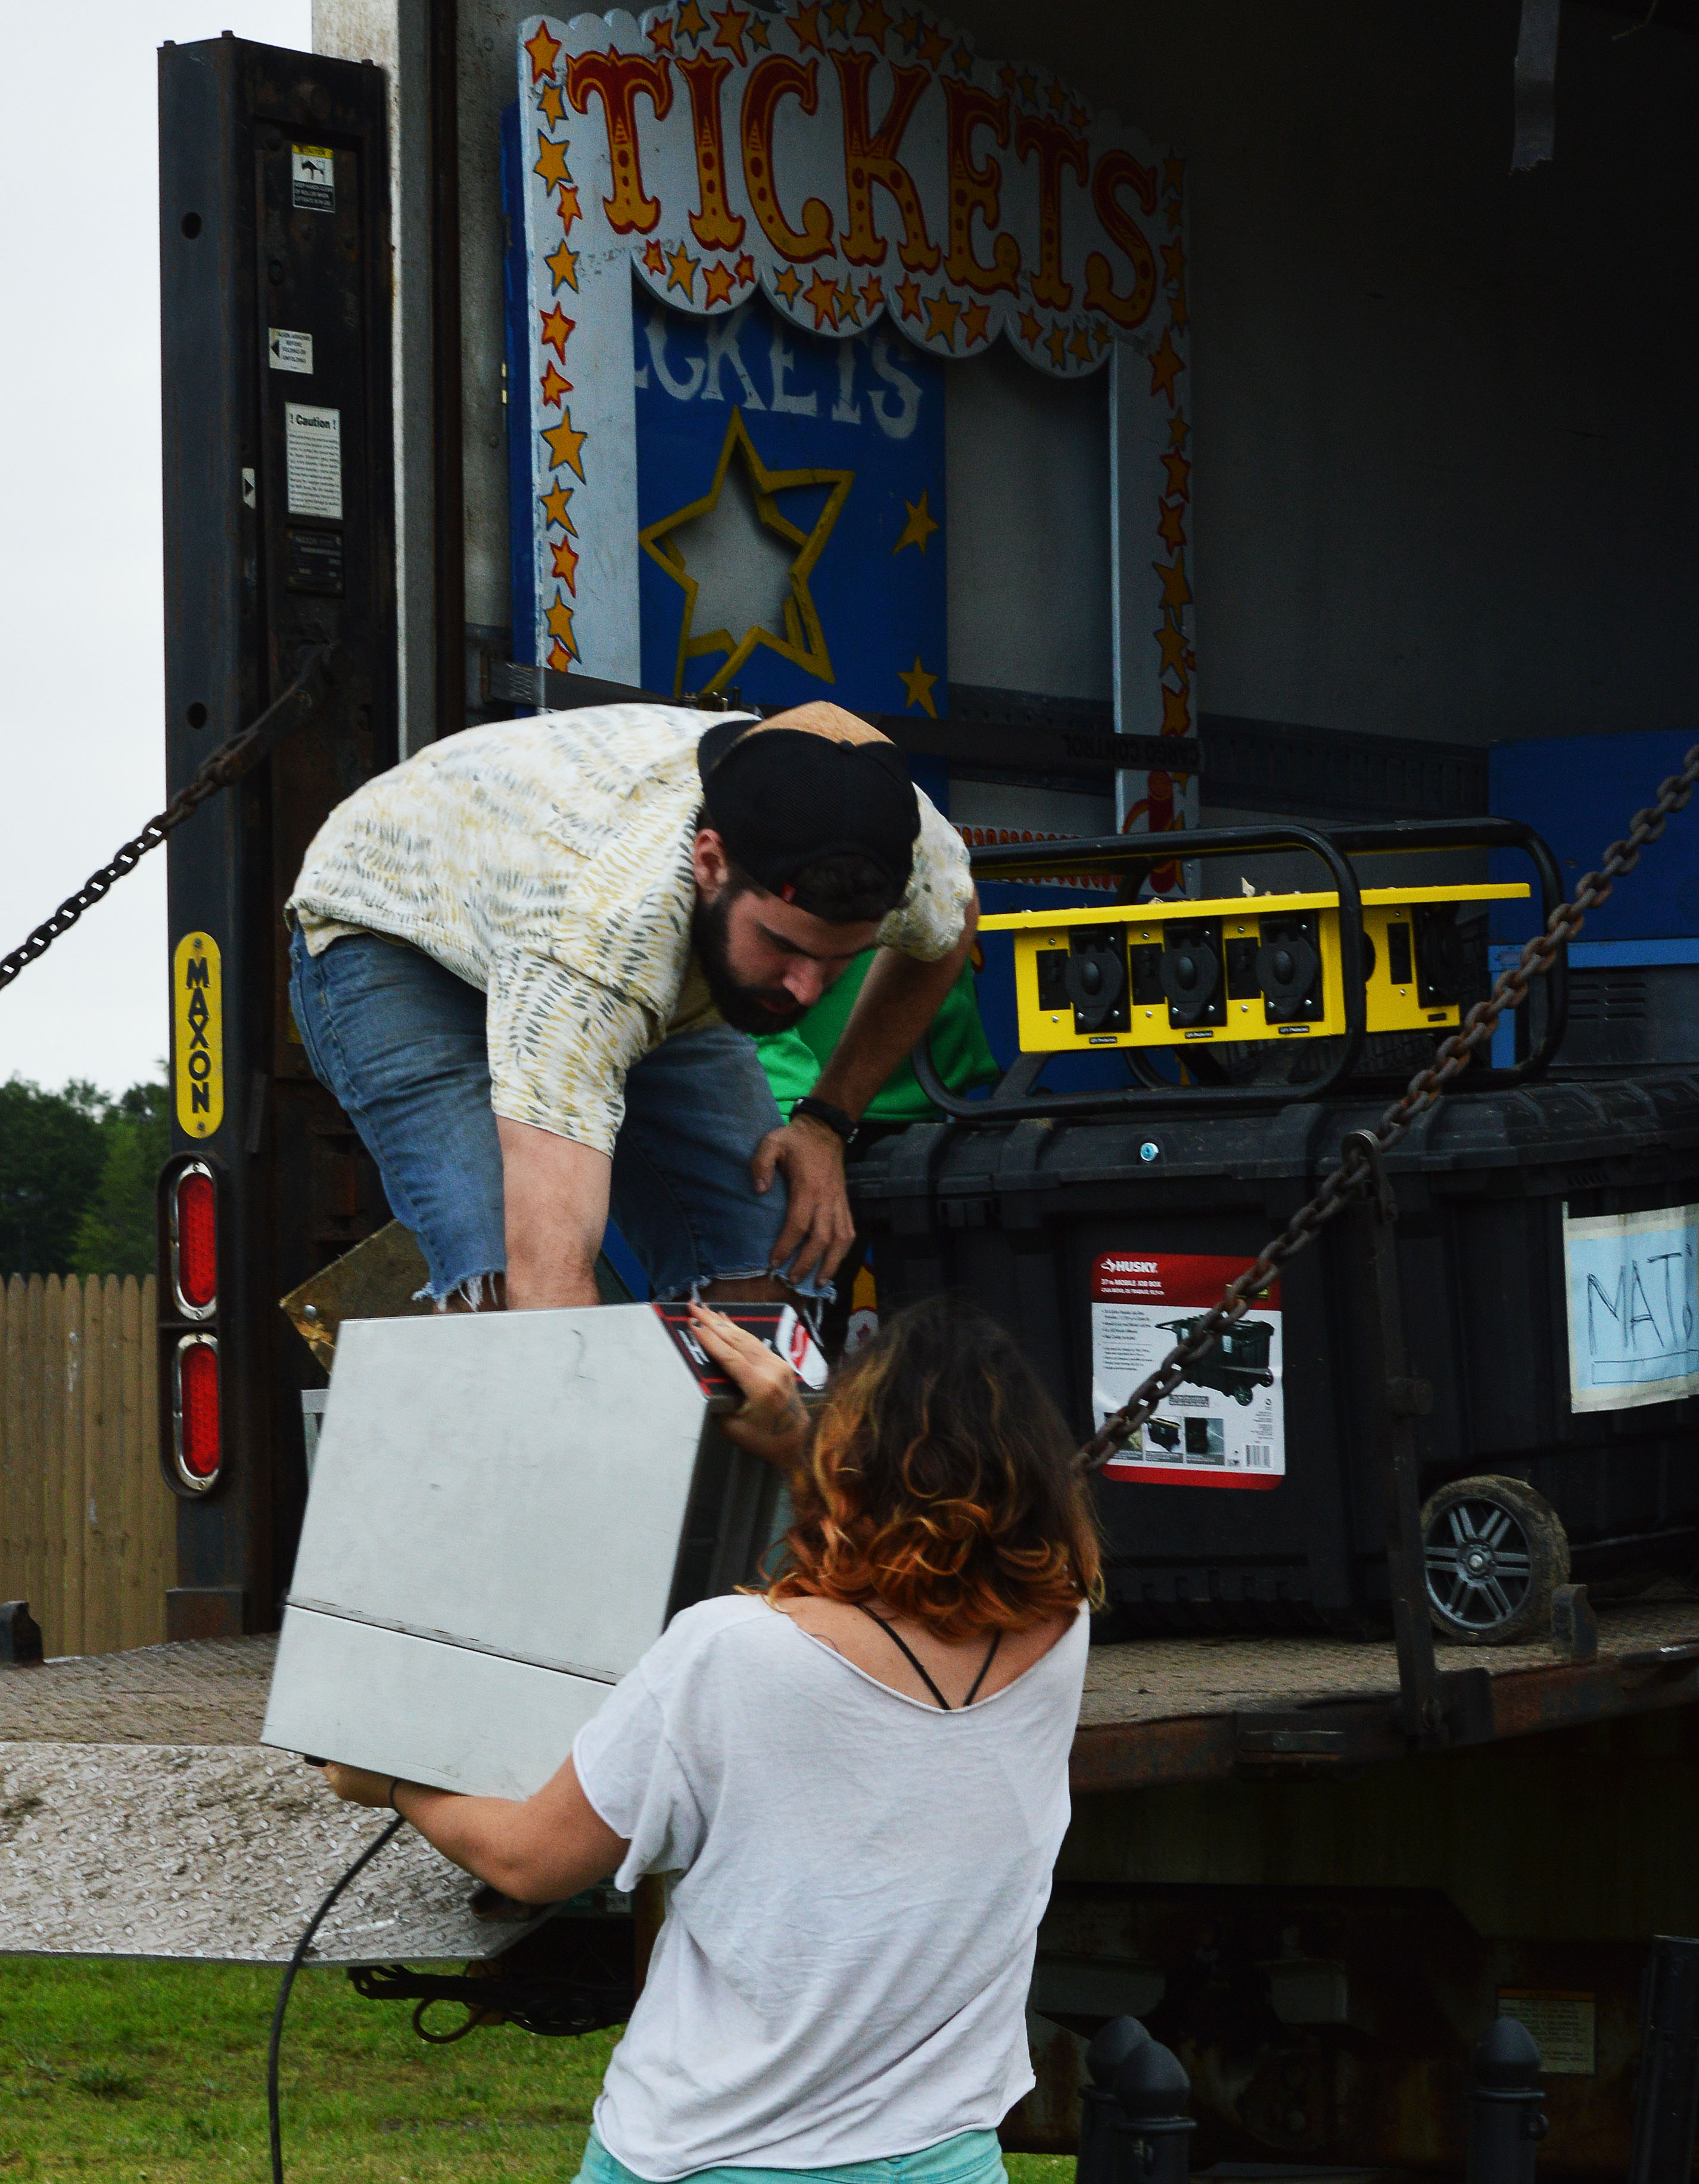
(864, 174)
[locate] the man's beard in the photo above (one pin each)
(754, 1009)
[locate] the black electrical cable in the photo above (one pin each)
(296, 1961)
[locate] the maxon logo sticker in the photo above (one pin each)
(197, 1028)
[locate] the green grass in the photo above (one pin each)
(157, 2072)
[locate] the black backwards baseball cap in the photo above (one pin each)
(783, 794)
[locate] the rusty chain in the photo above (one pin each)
(227, 764)
(1425, 1089)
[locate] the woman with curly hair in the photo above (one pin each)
(856, 1780)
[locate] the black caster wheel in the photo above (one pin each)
(1494, 1551)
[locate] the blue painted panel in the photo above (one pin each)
(1580, 793)
(868, 413)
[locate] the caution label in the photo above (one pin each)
(197, 1028)
(1564, 2026)
(312, 449)
(1225, 1425)
(312, 174)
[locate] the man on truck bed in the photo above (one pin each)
(525, 960)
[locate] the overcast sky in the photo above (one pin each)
(82, 763)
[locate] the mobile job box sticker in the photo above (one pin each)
(1224, 1424)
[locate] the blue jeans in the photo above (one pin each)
(972, 2157)
(400, 1043)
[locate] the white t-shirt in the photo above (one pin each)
(843, 1970)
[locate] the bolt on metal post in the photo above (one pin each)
(1133, 2124)
(1506, 2121)
(1666, 2097)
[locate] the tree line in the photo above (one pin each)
(78, 1174)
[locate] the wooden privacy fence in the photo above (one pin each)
(87, 1525)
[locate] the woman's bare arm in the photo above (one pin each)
(537, 1850)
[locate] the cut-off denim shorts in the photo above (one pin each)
(972, 2157)
(399, 1042)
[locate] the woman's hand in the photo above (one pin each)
(358, 1785)
(773, 1422)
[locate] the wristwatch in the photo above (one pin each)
(823, 1110)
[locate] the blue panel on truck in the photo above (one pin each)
(1580, 792)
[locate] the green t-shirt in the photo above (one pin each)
(794, 1058)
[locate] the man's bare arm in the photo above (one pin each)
(897, 1002)
(556, 1193)
(898, 999)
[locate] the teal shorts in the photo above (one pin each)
(972, 2157)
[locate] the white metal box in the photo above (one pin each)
(506, 1508)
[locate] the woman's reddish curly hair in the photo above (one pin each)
(942, 1483)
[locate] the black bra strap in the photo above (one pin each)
(914, 1662)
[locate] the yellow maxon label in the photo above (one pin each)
(198, 1021)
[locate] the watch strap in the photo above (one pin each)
(823, 1110)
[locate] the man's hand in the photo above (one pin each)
(818, 1225)
(358, 1785)
(772, 1422)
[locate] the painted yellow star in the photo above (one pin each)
(744, 270)
(920, 686)
(563, 264)
(1171, 525)
(1175, 591)
(559, 619)
(942, 313)
(1178, 430)
(660, 35)
(974, 321)
(789, 284)
(1029, 87)
(1030, 328)
(805, 27)
(1176, 711)
(551, 160)
(559, 656)
(567, 204)
(871, 291)
(692, 20)
(553, 102)
(934, 45)
(1167, 364)
(908, 29)
(803, 642)
(1173, 260)
(681, 272)
(921, 523)
(1056, 341)
(542, 50)
(554, 387)
(821, 296)
(717, 284)
(555, 504)
(733, 25)
(908, 296)
(566, 564)
(653, 261)
(1170, 640)
(758, 36)
(564, 443)
(1081, 346)
(1179, 470)
(837, 13)
(557, 325)
(873, 22)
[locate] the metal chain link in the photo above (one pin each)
(1425, 1089)
(227, 764)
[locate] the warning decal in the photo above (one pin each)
(312, 175)
(312, 451)
(1225, 1425)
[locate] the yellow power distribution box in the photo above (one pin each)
(1261, 967)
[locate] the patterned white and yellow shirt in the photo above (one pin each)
(547, 861)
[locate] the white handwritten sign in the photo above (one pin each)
(1633, 1281)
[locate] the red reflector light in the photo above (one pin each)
(199, 1451)
(197, 1226)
